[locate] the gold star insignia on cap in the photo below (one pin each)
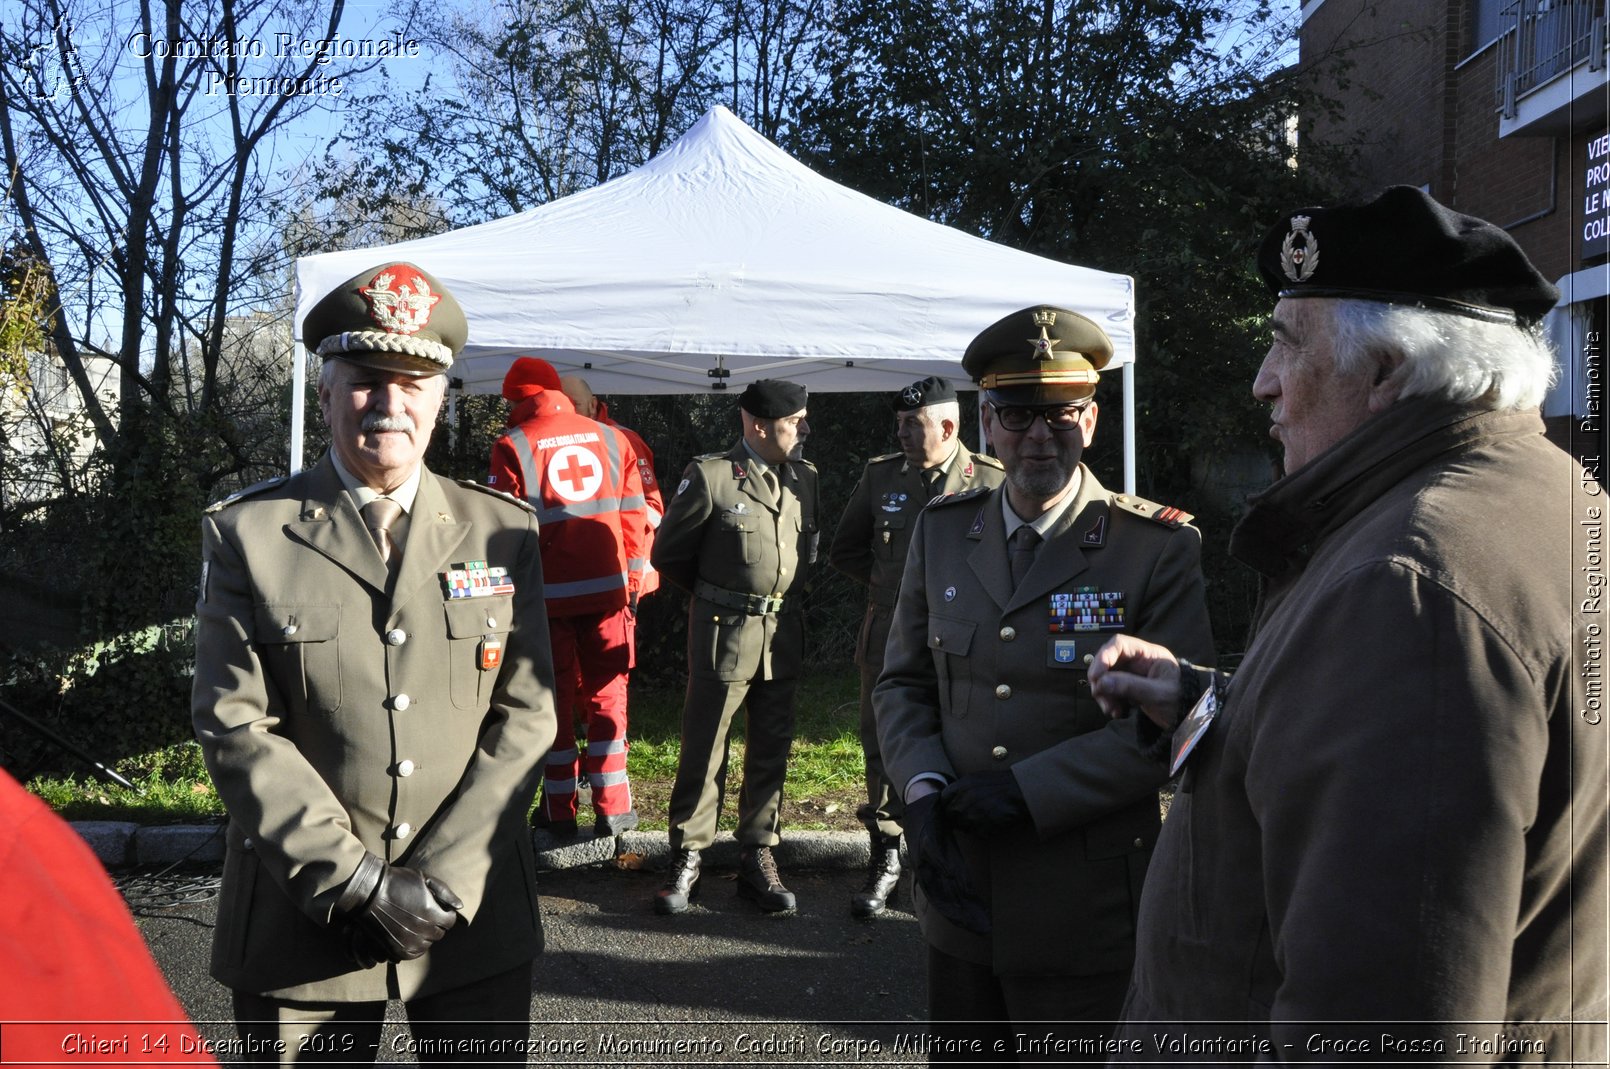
(1044, 346)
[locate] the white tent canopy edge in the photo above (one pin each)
(724, 260)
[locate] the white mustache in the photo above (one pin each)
(375, 421)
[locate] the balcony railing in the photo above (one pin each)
(1544, 39)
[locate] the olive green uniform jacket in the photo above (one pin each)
(1399, 815)
(974, 680)
(336, 719)
(870, 546)
(725, 538)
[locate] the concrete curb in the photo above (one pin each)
(119, 844)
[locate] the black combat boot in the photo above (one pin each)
(682, 886)
(759, 882)
(882, 873)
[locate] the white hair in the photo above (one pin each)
(1455, 357)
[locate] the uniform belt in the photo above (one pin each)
(753, 604)
(882, 597)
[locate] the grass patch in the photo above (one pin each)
(824, 772)
(174, 788)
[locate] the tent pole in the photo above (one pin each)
(298, 392)
(1129, 427)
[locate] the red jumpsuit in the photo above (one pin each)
(583, 479)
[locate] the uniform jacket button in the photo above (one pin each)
(396, 637)
(402, 831)
(288, 630)
(405, 767)
(1008, 634)
(1003, 691)
(247, 844)
(401, 702)
(1139, 843)
(999, 753)
(491, 621)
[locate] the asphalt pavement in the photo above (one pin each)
(722, 984)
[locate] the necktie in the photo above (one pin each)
(1025, 540)
(378, 516)
(771, 484)
(930, 482)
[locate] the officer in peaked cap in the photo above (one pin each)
(870, 547)
(374, 695)
(1030, 814)
(739, 536)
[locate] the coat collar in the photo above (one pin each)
(1052, 567)
(330, 523)
(1285, 522)
(747, 471)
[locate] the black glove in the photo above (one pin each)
(407, 912)
(985, 801)
(940, 867)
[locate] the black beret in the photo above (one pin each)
(932, 390)
(1404, 248)
(1040, 355)
(772, 398)
(396, 317)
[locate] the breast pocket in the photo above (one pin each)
(300, 653)
(471, 624)
(739, 538)
(951, 642)
(890, 540)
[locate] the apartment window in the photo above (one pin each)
(1486, 22)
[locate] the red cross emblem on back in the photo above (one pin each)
(574, 473)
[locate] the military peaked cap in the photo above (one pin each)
(1040, 355)
(395, 317)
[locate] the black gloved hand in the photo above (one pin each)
(985, 801)
(407, 912)
(940, 867)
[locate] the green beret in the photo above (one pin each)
(1402, 247)
(772, 398)
(932, 390)
(395, 317)
(1040, 355)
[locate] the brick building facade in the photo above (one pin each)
(1498, 108)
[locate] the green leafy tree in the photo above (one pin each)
(1154, 138)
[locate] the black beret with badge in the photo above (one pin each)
(772, 398)
(932, 390)
(396, 317)
(1402, 247)
(1039, 355)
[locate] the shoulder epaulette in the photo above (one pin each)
(959, 496)
(471, 484)
(988, 461)
(1167, 515)
(702, 457)
(805, 462)
(885, 458)
(251, 491)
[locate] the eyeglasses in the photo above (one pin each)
(1019, 418)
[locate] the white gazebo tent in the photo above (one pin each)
(724, 260)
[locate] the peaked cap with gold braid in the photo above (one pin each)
(396, 317)
(1039, 356)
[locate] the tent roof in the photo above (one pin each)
(724, 251)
